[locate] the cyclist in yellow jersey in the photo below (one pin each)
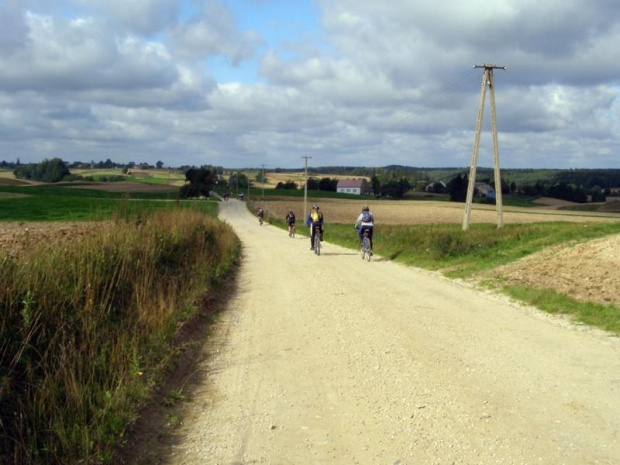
(315, 219)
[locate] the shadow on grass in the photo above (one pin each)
(396, 254)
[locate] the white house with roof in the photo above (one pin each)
(353, 186)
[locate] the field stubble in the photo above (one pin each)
(424, 212)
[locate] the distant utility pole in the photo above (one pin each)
(487, 80)
(306, 187)
(263, 184)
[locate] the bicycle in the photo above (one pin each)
(317, 240)
(366, 249)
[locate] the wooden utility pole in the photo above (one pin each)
(487, 80)
(263, 184)
(306, 188)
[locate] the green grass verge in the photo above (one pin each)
(582, 208)
(606, 317)
(459, 253)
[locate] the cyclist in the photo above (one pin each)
(261, 215)
(315, 219)
(290, 220)
(366, 220)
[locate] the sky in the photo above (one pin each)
(246, 83)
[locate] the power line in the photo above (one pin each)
(441, 90)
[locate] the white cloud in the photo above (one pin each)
(137, 16)
(213, 31)
(391, 82)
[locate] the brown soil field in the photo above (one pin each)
(586, 272)
(126, 186)
(7, 179)
(611, 207)
(421, 212)
(17, 237)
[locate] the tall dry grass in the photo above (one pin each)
(84, 328)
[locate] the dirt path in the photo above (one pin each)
(331, 360)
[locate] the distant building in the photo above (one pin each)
(484, 190)
(437, 187)
(353, 186)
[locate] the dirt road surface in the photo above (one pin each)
(332, 360)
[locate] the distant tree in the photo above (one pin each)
(242, 180)
(199, 182)
(505, 186)
(375, 184)
(598, 194)
(395, 189)
(328, 184)
(457, 188)
(159, 165)
(313, 184)
(513, 187)
(290, 185)
(534, 190)
(53, 170)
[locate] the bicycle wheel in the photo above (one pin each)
(317, 243)
(366, 248)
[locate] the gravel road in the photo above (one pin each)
(332, 360)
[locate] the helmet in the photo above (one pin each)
(365, 208)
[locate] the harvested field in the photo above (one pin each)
(423, 212)
(298, 177)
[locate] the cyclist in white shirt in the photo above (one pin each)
(366, 220)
